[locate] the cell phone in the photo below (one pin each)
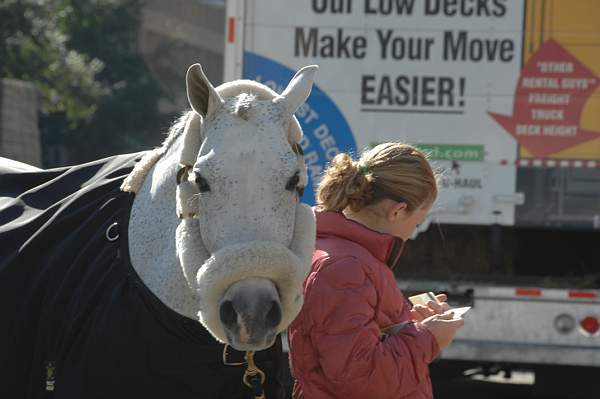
(458, 312)
(423, 298)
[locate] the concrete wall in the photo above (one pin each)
(19, 132)
(175, 34)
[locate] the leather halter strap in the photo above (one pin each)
(185, 193)
(183, 173)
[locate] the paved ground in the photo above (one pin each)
(461, 382)
(519, 385)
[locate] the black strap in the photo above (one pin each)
(394, 258)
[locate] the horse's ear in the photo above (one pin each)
(201, 93)
(298, 89)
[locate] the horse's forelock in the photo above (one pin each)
(242, 106)
(260, 92)
(242, 96)
(237, 87)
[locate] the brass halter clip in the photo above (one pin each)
(254, 377)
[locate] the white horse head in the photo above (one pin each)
(248, 247)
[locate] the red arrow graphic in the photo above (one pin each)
(551, 93)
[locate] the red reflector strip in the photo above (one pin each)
(528, 292)
(590, 324)
(582, 294)
(231, 30)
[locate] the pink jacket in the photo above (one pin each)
(337, 349)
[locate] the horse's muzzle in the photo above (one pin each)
(251, 312)
(249, 292)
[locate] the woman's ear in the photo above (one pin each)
(397, 211)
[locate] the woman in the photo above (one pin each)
(356, 337)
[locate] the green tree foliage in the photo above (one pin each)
(98, 96)
(35, 48)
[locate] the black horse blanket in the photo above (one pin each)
(76, 320)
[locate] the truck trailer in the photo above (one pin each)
(504, 97)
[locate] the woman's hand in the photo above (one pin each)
(421, 312)
(443, 327)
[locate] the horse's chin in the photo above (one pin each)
(256, 345)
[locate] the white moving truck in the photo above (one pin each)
(504, 96)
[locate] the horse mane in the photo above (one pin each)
(134, 180)
(175, 130)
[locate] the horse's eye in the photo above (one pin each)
(293, 182)
(202, 183)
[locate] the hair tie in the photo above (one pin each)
(363, 169)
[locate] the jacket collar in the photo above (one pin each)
(384, 247)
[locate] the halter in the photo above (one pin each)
(186, 190)
(185, 193)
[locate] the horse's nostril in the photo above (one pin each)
(228, 314)
(273, 317)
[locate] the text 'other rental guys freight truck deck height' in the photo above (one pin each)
(505, 97)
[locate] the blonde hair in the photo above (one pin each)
(390, 170)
